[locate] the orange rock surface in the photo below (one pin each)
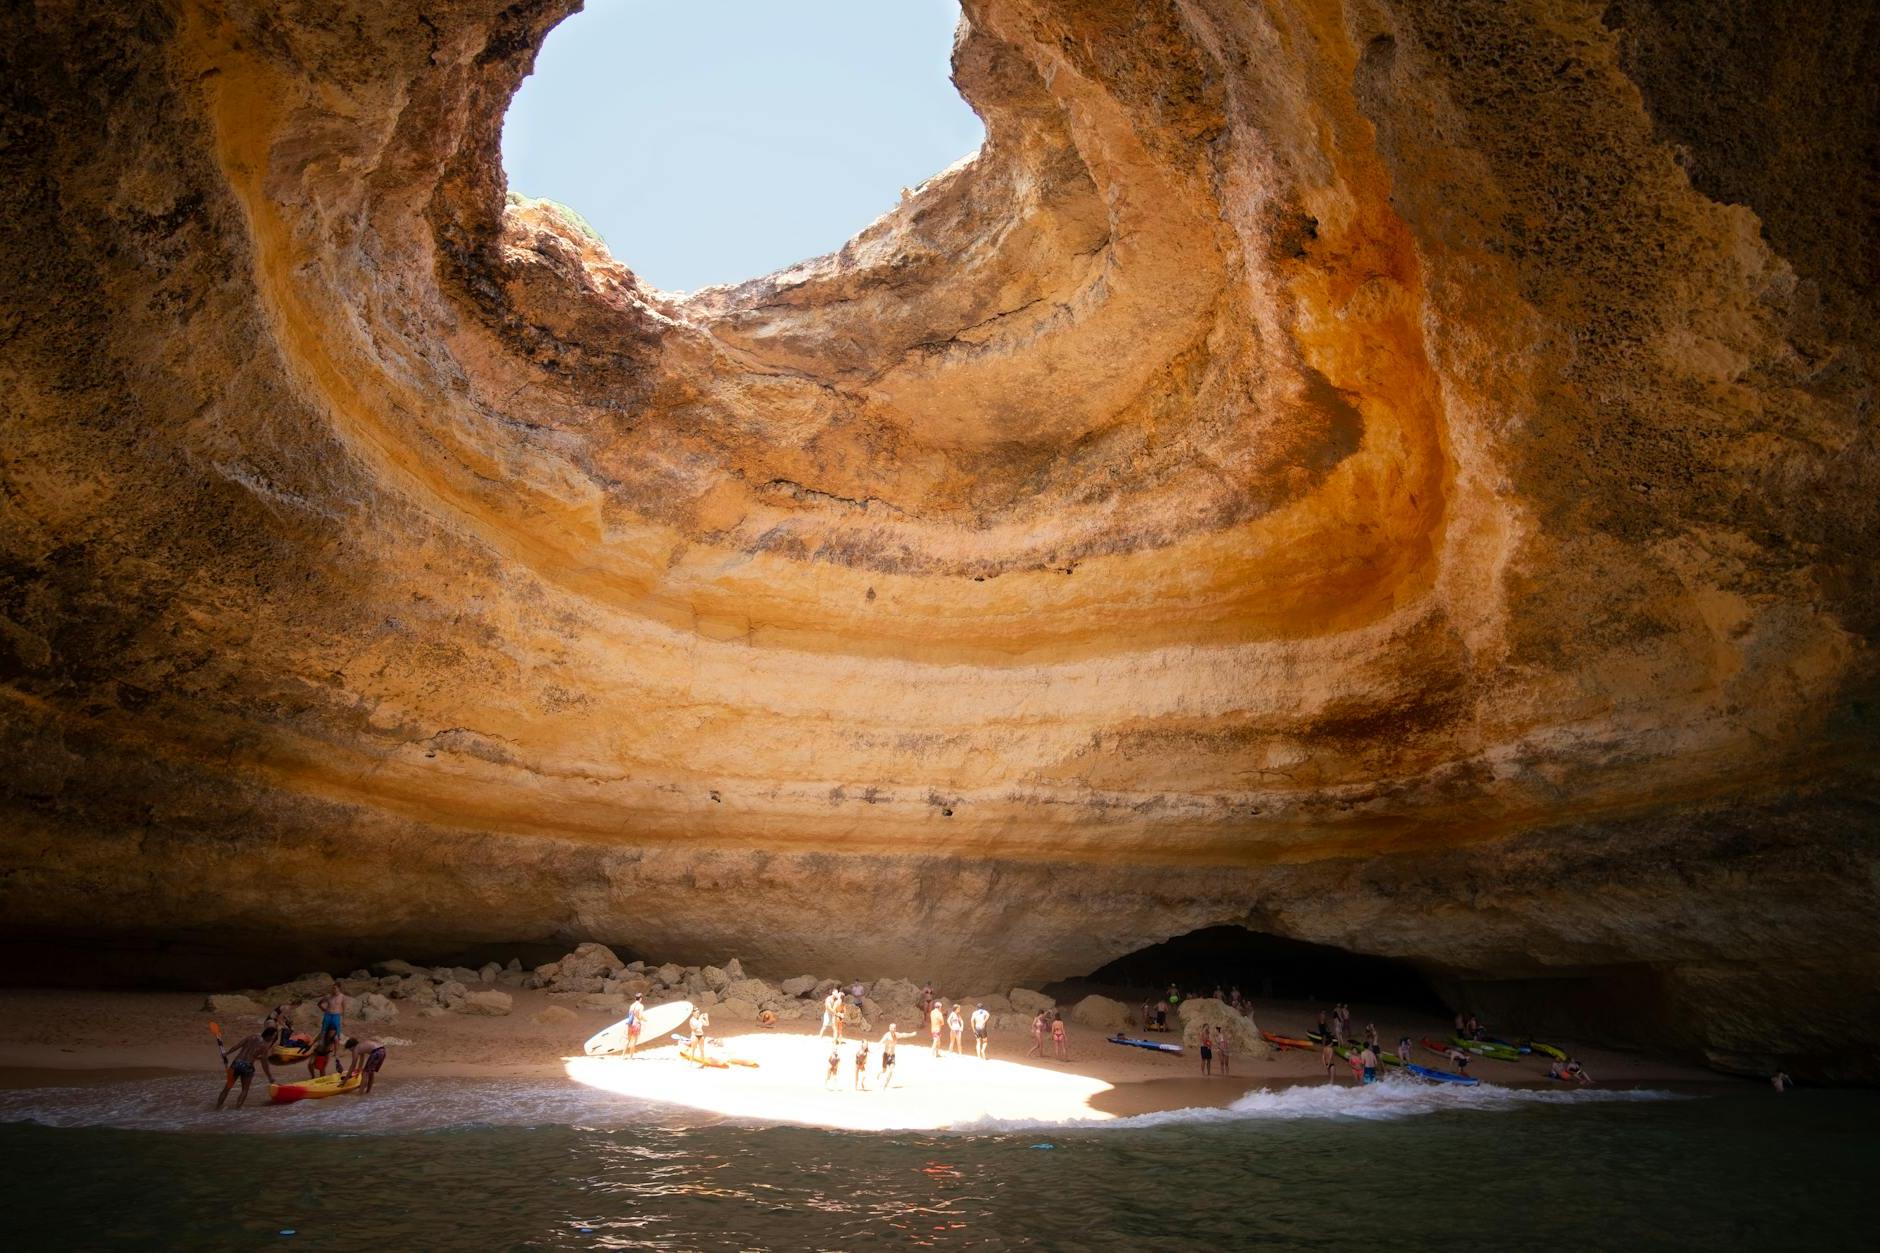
(1396, 474)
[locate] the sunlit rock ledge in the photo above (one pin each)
(1397, 475)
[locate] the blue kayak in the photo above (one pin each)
(1157, 1045)
(1441, 1076)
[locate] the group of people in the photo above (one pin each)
(277, 1043)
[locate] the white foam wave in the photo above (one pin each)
(185, 1104)
(1390, 1098)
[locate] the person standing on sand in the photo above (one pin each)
(1207, 1051)
(1058, 1042)
(240, 1063)
(1161, 1015)
(1780, 1081)
(1328, 1057)
(982, 1019)
(861, 1066)
(333, 1008)
(1037, 1036)
(835, 1064)
(1220, 1049)
(936, 1023)
(636, 1019)
(888, 1038)
(829, 1016)
(955, 1025)
(1148, 1016)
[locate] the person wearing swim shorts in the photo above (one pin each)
(1369, 1058)
(332, 1014)
(982, 1019)
(367, 1057)
(888, 1038)
(1207, 1051)
(240, 1063)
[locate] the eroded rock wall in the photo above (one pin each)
(1400, 475)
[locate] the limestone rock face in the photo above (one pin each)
(1396, 474)
(488, 1004)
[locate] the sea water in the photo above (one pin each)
(484, 1165)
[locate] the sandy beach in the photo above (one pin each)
(67, 1038)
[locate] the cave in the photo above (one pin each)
(1400, 475)
(1266, 967)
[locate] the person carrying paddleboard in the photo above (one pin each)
(636, 1019)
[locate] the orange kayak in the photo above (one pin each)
(313, 1089)
(1287, 1041)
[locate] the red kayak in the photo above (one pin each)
(313, 1089)
(1287, 1041)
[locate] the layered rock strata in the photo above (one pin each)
(1396, 474)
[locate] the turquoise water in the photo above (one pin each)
(1405, 1169)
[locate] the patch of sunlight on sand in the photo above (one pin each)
(787, 1085)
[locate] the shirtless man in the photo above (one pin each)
(281, 1018)
(888, 1038)
(1207, 1050)
(333, 1007)
(1369, 1058)
(955, 1025)
(936, 1023)
(367, 1057)
(240, 1062)
(636, 1020)
(982, 1019)
(832, 1014)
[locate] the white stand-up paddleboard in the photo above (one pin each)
(656, 1022)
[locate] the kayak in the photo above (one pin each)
(1523, 1049)
(1484, 1048)
(741, 1061)
(1153, 1045)
(313, 1089)
(1441, 1076)
(289, 1057)
(1441, 1050)
(1548, 1050)
(1286, 1041)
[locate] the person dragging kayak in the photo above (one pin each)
(240, 1063)
(367, 1057)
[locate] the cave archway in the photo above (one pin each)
(1266, 967)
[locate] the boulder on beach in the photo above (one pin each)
(612, 1003)
(802, 985)
(590, 961)
(756, 991)
(740, 1012)
(1028, 1002)
(714, 978)
(397, 966)
(1243, 1036)
(491, 1004)
(432, 1011)
(488, 971)
(233, 1005)
(450, 992)
(375, 1008)
(670, 975)
(895, 993)
(734, 970)
(1100, 1013)
(555, 1014)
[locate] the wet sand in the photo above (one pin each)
(64, 1039)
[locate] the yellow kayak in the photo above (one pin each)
(313, 1089)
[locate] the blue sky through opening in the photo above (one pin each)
(711, 141)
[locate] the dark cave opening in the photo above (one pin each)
(1266, 967)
